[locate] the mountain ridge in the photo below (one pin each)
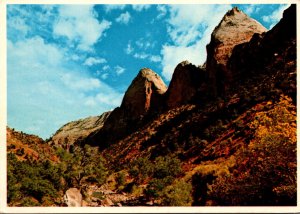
(216, 132)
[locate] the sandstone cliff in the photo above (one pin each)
(143, 96)
(235, 28)
(186, 83)
(144, 93)
(75, 131)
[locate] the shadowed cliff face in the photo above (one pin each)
(235, 28)
(273, 52)
(186, 84)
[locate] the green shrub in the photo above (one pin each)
(20, 152)
(28, 180)
(99, 195)
(83, 163)
(156, 187)
(165, 171)
(166, 166)
(29, 202)
(178, 194)
(120, 178)
(141, 169)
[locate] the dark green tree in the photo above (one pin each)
(85, 162)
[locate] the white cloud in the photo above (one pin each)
(275, 16)
(19, 24)
(155, 58)
(142, 44)
(162, 9)
(119, 70)
(152, 58)
(173, 55)
(74, 57)
(129, 49)
(190, 34)
(94, 61)
(105, 67)
(140, 55)
(42, 86)
(112, 98)
(140, 7)
(104, 76)
(185, 28)
(110, 7)
(76, 82)
(251, 9)
(78, 23)
(36, 52)
(124, 18)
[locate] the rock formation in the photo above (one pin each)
(268, 44)
(144, 95)
(145, 92)
(273, 51)
(73, 197)
(235, 28)
(213, 138)
(237, 45)
(186, 82)
(75, 131)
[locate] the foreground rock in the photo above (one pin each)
(73, 197)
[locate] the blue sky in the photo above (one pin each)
(66, 62)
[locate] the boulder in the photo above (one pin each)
(73, 198)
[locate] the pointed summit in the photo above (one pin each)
(235, 28)
(186, 82)
(143, 93)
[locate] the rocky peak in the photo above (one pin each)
(75, 131)
(143, 93)
(235, 28)
(186, 82)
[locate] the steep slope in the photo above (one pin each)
(27, 146)
(215, 141)
(272, 53)
(75, 131)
